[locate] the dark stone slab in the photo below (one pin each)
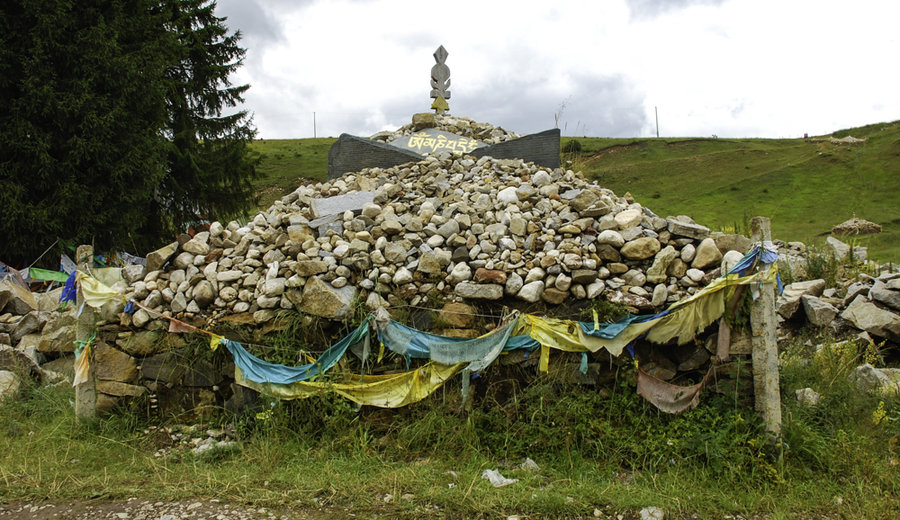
(541, 148)
(351, 154)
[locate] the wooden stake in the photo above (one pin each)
(85, 393)
(766, 385)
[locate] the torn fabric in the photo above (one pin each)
(385, 391)
(667, 397)
(259, 371)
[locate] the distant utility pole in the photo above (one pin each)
(314, 125)
(655, 111)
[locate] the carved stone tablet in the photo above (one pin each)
(431, 141)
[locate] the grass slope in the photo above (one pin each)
(805, 186)
(288, 163)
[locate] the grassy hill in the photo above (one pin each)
(805, 186)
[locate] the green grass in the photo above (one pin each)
(607, 449)
(804, 186)
(288, 163)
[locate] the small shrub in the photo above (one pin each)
(572, 146)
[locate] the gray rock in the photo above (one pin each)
(707, 254)
(660, 293)
(31, 323)
(477, 291)
(789, 301)
(183, 260)
(611, 237)
(657, 272)
(584, 200)
(196, 246)
(819, 313)
(179, 303)
(730, 260)
(807, 397)
(158, 258)
(870, 379)
(641, 248)
(733, 242)
(869, 317)
(629, 218)
(19, 361)
(531, 292)
(204, 293)
(460, 272)
(16, 299)
(514, 284)
(839, 250)
(142, 343)
(687, 229)
(134, 272)
(10, 384)
(888, 297)
(340, 203)
(323, 300)
(112, 364)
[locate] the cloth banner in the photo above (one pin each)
(257, 370)
(385, 391)
(479, 352)
(95, 292)
(47, 275)
(670, 398)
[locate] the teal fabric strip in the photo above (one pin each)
(260, 371)
(413, 343)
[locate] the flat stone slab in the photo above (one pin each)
(433, 141)
(340, 203)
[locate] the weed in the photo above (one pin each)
(607, 311)
(824, 266)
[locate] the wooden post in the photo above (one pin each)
(765, 349)
(85, 393)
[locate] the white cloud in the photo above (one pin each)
(757, 68)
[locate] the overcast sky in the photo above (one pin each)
(733, 68)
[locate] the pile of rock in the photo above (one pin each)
(455, 226)
(484, 132)
(868, 304)
(856, 226)
(445, 228)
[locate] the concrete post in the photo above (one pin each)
(766, 385)
(85, 393)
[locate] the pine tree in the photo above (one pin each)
(81, 120)
(210, 167)
(117, 123)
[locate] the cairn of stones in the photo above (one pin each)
(445, 229)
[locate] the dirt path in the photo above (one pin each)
(140, 509)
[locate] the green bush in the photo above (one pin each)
(572, 146)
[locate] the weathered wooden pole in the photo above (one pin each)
(765, 348)
(85, 392)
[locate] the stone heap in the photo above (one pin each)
(445, 228)
(463, 228)
(484, 132)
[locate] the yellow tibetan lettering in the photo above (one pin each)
(429, 142)
(441, 142)
(416, 140)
